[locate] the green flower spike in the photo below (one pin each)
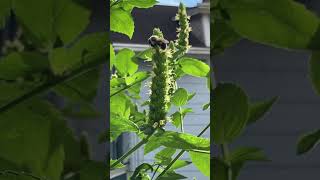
(159, 98)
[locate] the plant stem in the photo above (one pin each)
(180, 154)
(132, 150)
(181, 119)
(226, 157)
(154, 173)
(52, 83)
(20, 173)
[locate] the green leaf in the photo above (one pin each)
(179, 164)
(118, 166)
(87, 49)
(121, 21)
(42, 153)
(230, 112)
(314, 70)
(176, 119)
(223, 36)
(202, 162)
(146, 54)
(120, 105)
(172, 176)
(194, 67)
(177, 140)
(112, 56)
(272, 22)
(205, 106)
(68, 19)
(308, 142)
(141, 171)
(164, 157)
(118, 85)
(82, 89)
(119, 125)
(124, 63)
(259, 109)
(243, 154)
(5, 7)
(56, 164)
(220, 169)
(190, 96)
(22, 65)
(142, 3)
(180, 97)
(93, 170)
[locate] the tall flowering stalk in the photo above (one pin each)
(159, 98)
(181, 46)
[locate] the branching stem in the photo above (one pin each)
(180, 154)
(132, 150)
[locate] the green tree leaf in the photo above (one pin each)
(120, 165)
(308, 141)
(93, 170)
(121, 21)
(171, 175)
(272, 22)
(124, 62)
(141, 171)
(176, 119)
(223, 36)
(146, 54)
(142, 3)
(219, 169)
(42, 153)
(119, 125)
(314, 70)
(202, 162)
(230, 112)
(87, 49)
(205, 106)
(5, 7)
(112, 56)
(164, 157)
(180, 97)
(194, 67)
(68, 19)
(22, 65)
(179, 164)
(243, 154)
(259, 109)
(177, 140)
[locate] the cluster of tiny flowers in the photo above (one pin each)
(159, 98)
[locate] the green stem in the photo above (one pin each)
(52, 83)
(226, 157)
(132, 150)
(181, 120)
(20, 173)
(154, 173)
(180, 154)
(200, 151)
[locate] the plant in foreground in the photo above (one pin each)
(169, 64)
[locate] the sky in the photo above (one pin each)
(188, 3)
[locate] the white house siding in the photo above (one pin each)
(264, 72)
(193, 122)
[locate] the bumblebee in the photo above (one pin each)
(160, 42)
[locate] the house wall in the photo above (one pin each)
(264, 72)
